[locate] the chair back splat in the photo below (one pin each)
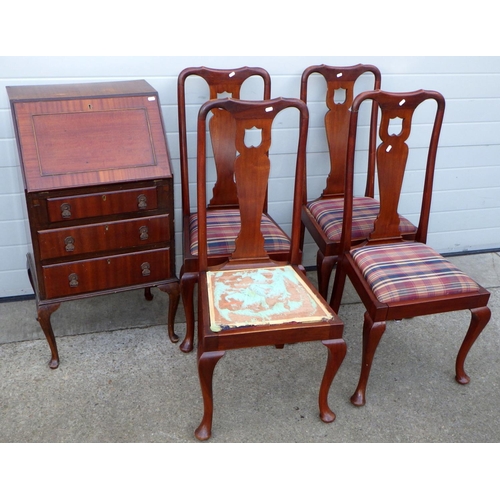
(220, 82)
(252, 182)
(341, 79)
(396, 278)
(391, 160)
(251, 299)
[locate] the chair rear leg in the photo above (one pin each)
(172, 289)
(188, 281)
(372, 333)
(479, 320)
(337, 349)
(338, 287)
(324, 266)
(206, 366)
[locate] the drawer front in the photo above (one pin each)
(84, 276)
(101, 204)
(77, 240)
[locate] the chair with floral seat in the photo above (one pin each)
(251, 299)
(322, 216)
(398, 279)
(223, 215)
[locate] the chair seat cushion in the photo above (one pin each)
(262, 296)
(328, 212)
(223, 226)
(410, 271)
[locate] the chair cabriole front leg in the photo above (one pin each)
(337, 349)
(206, 366)
(372, 333)
(479, 320)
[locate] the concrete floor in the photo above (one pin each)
(122, 381)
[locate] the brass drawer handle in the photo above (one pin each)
(66, 210)
(142, 201)
(73, 280)
(145, 269)
(143, 233)
(69, 243)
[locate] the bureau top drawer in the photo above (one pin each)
(101, 204)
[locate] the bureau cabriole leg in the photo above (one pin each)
(44, 313)
(173, 298)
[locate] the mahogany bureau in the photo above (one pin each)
(99, 193)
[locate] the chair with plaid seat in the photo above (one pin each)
(223, 215)
(398, 279)
(251, 299)
(322, 217)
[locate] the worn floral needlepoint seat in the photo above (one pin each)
(262, 296)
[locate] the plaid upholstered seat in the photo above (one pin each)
(329, 212)
(223, 227)
(410, 271)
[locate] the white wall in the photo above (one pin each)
(466, 203)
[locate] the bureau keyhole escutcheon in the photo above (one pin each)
(69, 243)
(65, 210)
(143, 233)
(142, 202)
(146, 269)
(73, 280)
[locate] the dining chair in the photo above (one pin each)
(398, 279)
(250, 299)
(322, 216)
(223, 216)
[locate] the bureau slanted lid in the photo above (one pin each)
(75, 135)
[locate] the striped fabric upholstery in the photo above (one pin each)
(329, 212)
(223, 227)
(408, 271)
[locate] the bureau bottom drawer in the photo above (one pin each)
(106, 273)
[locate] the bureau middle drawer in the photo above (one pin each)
(101, 204)
(90, 238)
